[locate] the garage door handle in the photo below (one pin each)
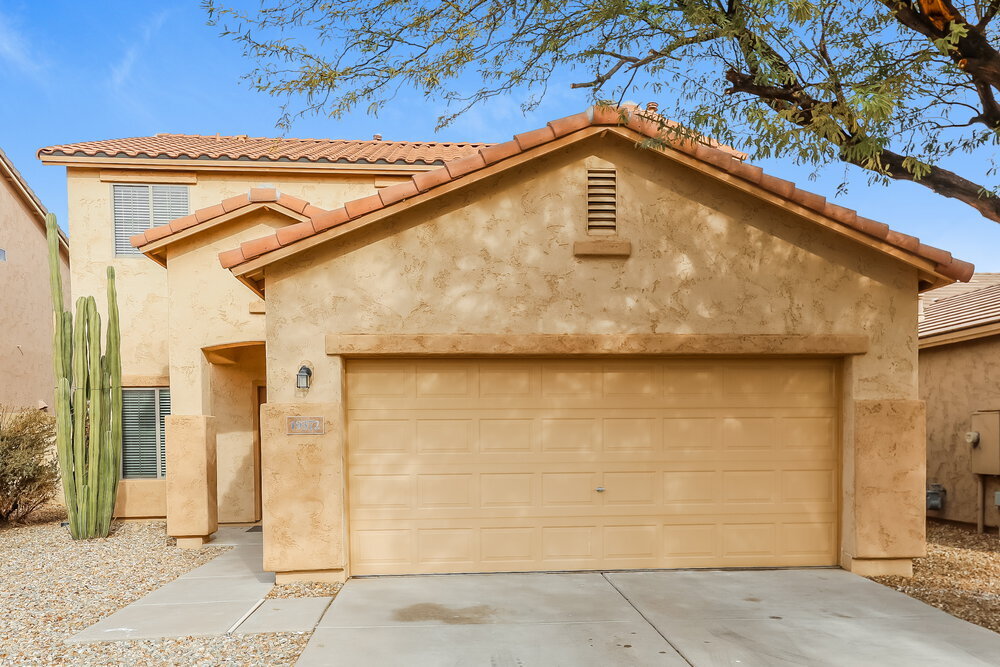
(599, 489)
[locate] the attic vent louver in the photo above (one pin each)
(602, 202)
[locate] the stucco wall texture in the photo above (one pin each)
(163, 331)
(955, 381)
(498, 258)
(25, 306)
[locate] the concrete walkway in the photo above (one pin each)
(223, 596)
(757, 617)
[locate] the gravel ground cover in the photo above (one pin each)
(960, 574)
(52, 587)
(304, 589)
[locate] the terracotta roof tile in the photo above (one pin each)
(563, 126)
(293, 233)
(465, 165)
(236, 202)
(534, 138)
(724, 158)
(263, 194)
(359, 207)
(330, 219)
(267, 196)
(192, 146)
(209, 212)
(293, 203)
(232, 257)
(398, 192)
(962, 311)
(498, 152)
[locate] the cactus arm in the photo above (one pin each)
(114, 370)
(59, 362)
(80, 406)
(95, 446)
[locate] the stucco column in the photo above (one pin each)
(192, 506)
(887, 473)
(302, 478)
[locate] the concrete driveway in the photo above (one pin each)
(756, 617)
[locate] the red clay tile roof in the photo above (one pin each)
(963, 311)
(255, 196)
(197, 147)
(633, 119)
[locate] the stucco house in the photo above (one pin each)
(26, 379)
(561, 352)
(960, 383)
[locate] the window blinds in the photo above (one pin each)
(143, 442)
(139, 207)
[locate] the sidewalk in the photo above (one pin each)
(224, 596)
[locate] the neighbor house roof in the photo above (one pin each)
(629, 122)
(965, 316)
(244, 148)
(976, 282)
(22, 190)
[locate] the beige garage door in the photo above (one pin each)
(483, 465)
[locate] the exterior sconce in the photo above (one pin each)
(303, 378)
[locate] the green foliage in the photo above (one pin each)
(88, 403)
(29, 472)
(871, 83)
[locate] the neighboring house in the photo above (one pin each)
(561, 352)
(960, 375)
(27, 378)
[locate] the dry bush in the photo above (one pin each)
(29, 468)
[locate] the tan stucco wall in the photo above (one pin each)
(192, 508)
(163, 331)
(141, 498)
(27, 377)
(304, 529)
(955, 381)
(498, 258)
(234, 401)
(142, 289)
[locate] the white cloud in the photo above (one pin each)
(121, 71)
(121, 83)
(17, 52)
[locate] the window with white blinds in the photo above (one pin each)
(139, 207)
(144, 454)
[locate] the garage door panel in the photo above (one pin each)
(494, 465)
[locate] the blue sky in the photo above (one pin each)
(77, 71)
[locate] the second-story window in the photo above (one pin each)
(139, 207)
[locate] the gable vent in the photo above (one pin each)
(602, 201)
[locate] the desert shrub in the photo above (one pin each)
(29, 468)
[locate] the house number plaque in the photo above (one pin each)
(304, 426)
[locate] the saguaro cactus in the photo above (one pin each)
(88, 402)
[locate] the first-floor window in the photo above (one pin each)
(144, 453)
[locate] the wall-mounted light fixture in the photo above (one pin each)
(303, 378)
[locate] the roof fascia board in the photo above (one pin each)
(926, 268)
(949, 337)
